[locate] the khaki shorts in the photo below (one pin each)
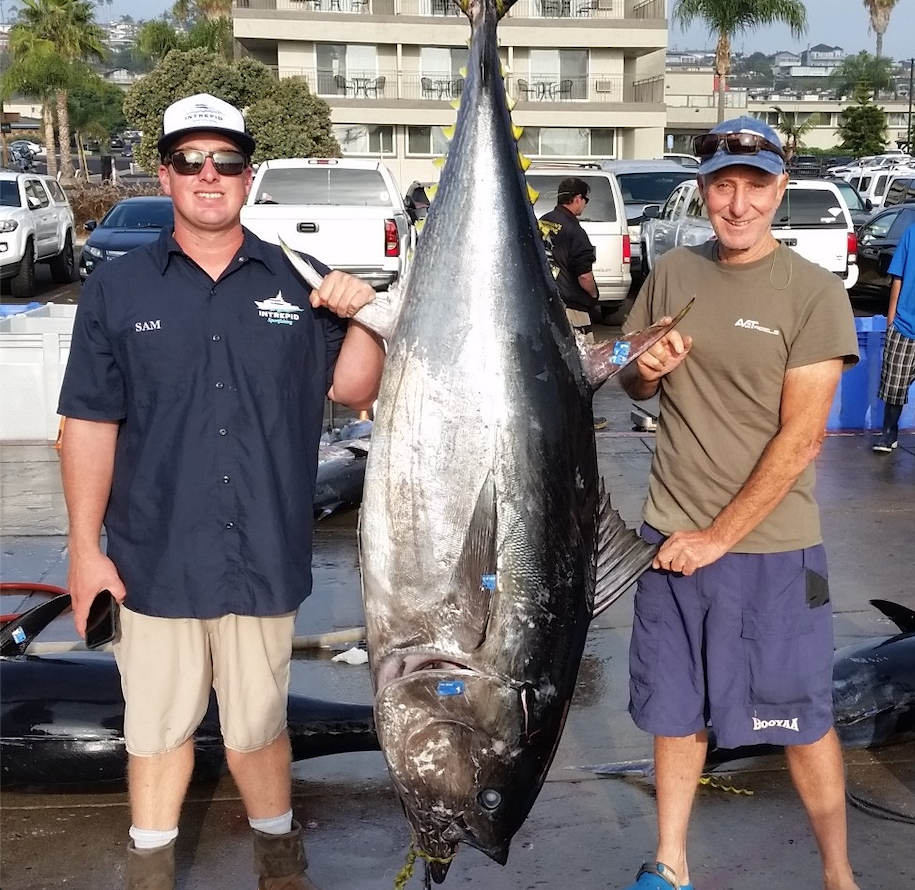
(169, 665)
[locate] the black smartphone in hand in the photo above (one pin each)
(102, 625)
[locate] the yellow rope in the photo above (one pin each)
(406, 872)
(712, 782)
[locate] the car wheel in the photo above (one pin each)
(23, 283)
(63, 266)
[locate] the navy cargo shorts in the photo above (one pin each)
(744, 646)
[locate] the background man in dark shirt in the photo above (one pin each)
(194, 397)
(572, 256)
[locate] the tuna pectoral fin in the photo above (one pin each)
(621, 557)
(474, 581)
(378, 316)
(603, 360)
(16, 635)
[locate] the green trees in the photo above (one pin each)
(284, 117)
(862, 126)
(64, 28)
(727, 18)
(863, 71)
(213, 32)
(879, 12)
(794, 129)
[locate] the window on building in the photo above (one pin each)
(426, 141)
(442, 61)
(556, 65)
(365, 139)
(571, 142)
(339, 62)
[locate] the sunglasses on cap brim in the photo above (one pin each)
(189, 162)
(733, 144)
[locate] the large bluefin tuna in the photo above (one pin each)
(487, 544)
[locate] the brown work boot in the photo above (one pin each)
(151, 869)
(279, 860)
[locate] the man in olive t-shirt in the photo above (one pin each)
(733, 624)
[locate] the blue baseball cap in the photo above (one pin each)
(768, 160)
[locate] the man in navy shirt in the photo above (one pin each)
(194, 398)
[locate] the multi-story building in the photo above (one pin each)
(588, 75)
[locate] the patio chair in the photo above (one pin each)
(565, 89)
(525, 90)
(341, 84)
(428, 86)
(457, 87)
(376, 87)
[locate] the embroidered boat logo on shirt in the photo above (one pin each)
(277, 311)
(754, 326)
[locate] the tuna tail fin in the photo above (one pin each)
(621, 556)
(501, 6)
(902, 616)
(16, 635)
(604, 360)
(378, 316)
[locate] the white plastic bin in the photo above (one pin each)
(34, 347)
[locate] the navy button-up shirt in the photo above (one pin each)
(219, 390)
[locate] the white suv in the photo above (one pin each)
(36, 226)
(604, 220)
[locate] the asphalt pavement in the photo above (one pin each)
(585, 831)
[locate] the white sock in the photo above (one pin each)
(273, 825)
(150, 839)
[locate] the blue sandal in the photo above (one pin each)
(657, 876)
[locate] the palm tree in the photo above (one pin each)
(792, 128)
(879, 12)
(38, 74)
(69, 27)
(730, 17)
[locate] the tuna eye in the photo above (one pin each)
(489, 799)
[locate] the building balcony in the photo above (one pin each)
(652, 10)
(530, 91)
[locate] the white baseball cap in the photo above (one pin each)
(204, 113)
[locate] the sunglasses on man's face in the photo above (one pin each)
(189, 162)
(734, 144)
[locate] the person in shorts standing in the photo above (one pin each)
(194, 398)
(733, 623)
(898, 370)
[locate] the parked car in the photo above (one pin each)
(642, 183)
(36, 226)
(603, 219)
(860, 209)
(900, 189)
(691, 162)
(26, 145)
(804, 165)
(129, 224)
(416, 200)
(662, 228)
(877, 242)
(812, 219)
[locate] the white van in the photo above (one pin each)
(604, 219)
(872, 182)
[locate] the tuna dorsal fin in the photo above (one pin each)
(603, 360)
(621, 556)
(474, 583)
(902, 616)
(16, 635)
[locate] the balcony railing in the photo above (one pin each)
(391, 85)
(551, 9)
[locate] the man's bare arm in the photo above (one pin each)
(87, 467)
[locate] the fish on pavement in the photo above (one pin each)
(62, 718)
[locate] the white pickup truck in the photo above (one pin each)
(813, 219)
(347, 213)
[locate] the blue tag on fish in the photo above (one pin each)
(488, 582)
(18, 635)
(450, 687)
(620, 353)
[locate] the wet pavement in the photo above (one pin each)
(585, 831)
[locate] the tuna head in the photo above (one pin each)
(463, 753)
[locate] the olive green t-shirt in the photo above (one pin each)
(720, 408)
